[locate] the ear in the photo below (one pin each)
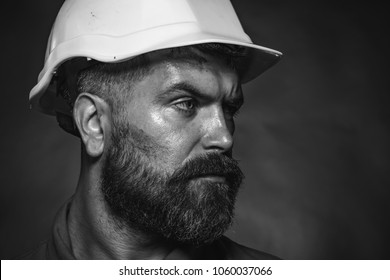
(92, 116)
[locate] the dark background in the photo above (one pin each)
(313, 136)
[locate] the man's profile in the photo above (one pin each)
(151, 88)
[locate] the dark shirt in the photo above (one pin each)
(58, 247)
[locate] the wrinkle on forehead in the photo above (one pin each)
(190, 56)
(212, 77)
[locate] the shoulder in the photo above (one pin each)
(236, 251)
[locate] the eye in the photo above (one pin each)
(187, 106)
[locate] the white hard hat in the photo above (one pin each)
(118, 30)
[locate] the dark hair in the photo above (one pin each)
(112, 81)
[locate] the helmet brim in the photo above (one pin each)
(108, 49)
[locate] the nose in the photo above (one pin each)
(218, 132)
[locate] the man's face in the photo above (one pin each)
(169, 170)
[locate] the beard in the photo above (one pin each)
(181, 206)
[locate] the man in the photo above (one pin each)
(151, 88)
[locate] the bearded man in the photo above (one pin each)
(154, 108)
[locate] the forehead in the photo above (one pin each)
(209, 74)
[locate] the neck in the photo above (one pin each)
(95, 234)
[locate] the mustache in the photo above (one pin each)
(212, 164)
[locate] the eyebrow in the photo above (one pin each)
(184, 86)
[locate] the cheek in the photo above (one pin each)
(181, 144)
(157, 119)
(178, 138)
(178, 135)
